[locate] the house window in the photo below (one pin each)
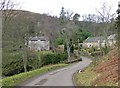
(90, 46)
(81, 46)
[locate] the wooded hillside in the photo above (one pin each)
(28, 24)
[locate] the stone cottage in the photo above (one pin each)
(112, 40)
(38, 43)
(99, 42)
(96, 42)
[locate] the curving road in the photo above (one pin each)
(60, 77)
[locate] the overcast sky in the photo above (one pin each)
(53, 7)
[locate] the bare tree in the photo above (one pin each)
(65, 19)
(7, 7)
(105, 13)
(66, 36)
(69, 14)
(9, 10)
(76, 18)
(106, 16)
(92, 18)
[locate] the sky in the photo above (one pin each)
(53, 7)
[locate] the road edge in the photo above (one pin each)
(73, 76)
(73, 80)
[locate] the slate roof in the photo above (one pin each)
(112, 36)
(36, 38)
(94, 39)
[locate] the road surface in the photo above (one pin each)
(60, 77)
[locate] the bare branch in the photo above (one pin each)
(105, 13)
(69, 14)
(7, 7)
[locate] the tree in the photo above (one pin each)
(94, 20)
(8, 13)
(62, 16)
(31, 29)
(105, 13)
(66, 36)
(69, 14)
(71, 46)
(76, 17)
(59, 41)
(67, 30)
(106, 18)
(7, 6)
(91, 18)
(62, 13)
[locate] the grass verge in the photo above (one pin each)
(16, 79)
(86, 77)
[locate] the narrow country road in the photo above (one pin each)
(60, 77)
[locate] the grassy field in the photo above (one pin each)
(16, 79)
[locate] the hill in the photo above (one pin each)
(108, 70)
(28, 23)
(25, 23)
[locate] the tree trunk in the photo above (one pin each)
(68, 51)
(25, 68)
(25, 53)
(24, 60)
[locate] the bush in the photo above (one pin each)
(12, 64)
(72, 49)
(72, 61)
(105, 49)
(54, 58)
(35, 59)
(97, 53)
(59, 41)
